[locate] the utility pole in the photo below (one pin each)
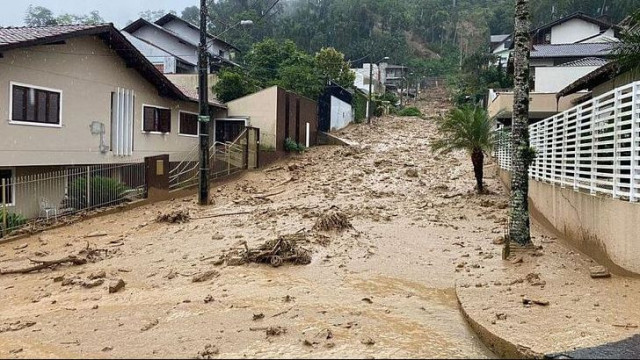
(203, 119)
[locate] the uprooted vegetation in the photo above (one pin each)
(174, 217)
(276, 252)
(333, 220)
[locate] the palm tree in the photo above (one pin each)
(467, 128)
(522, 155)
(627, 51)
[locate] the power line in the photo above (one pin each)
(269, 9)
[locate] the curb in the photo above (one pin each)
(498, 345)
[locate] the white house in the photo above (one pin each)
(562, 52)
(172, 38)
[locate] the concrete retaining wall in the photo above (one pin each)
(602, 227)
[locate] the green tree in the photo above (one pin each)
(627, 51)
(93, 18)
(153, 15)
(191, 14)
(301, 75)
(233, 84)
(466, 128)
(266, 57)
(521, 157)
(39, 16)
(332, 66)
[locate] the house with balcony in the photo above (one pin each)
(393, 76)
(562, 52)
(76, 97)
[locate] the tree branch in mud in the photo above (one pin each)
(43, 264)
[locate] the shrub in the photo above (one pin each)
(291, 146)
(390, 97)
(14, 221)
(410, 111)
(360, 107)
(104, 191)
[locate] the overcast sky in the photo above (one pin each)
(117, 11)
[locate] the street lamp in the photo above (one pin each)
(370, 83)
(203, 100)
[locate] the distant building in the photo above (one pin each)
(362, 79)
(393, 76)
(562, 52)
(171, 44)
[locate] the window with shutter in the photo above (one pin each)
(32, 105)
(156, 119)
(188, 124)
(164, 116)
(149, 122)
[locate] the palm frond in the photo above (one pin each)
(466, 128)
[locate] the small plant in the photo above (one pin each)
(14, 221)
(104, 191)
(291, 146)
(410, 111)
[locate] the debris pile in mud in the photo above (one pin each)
(174, 217)
(333, 220)
(276, 252)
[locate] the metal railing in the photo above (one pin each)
(502, 146)
(594, 146)
(225, 159)
(48, 195)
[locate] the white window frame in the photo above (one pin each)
(30, 123)
(13, 187)
(187, 135)
(142, 119)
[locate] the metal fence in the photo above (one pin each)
(594, 146)
(502, 146)
(224, 159)
(46, 196)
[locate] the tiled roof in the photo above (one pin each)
(571, 50)
(18, 35)
(589, 61)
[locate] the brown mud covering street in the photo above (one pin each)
(338, 252)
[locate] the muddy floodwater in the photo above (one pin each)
(383, 288)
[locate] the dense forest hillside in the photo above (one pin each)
(433, 36)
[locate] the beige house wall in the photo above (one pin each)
(620, 80)
(87, 72)
(602, 227)
(261, 108)
(190, 81)
(541, 105)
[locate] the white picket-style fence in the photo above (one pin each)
(502, 147)
(594, 146)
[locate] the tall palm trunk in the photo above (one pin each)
(477, 158)
(519, 229)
